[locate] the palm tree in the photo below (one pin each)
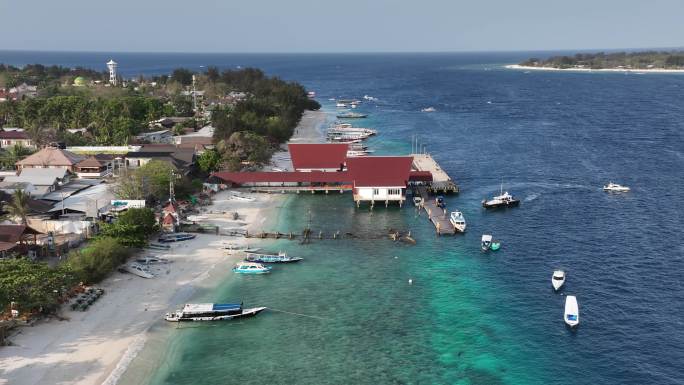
(19, 206)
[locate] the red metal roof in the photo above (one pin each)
(420, 176)
(13, 135)
(284, 177)
(318, 156)
(380, 171)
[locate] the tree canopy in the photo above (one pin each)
(601, 60)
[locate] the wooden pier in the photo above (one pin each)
(441, 182)
(438, 216)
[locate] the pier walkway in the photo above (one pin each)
(441, 182)
(436, 215)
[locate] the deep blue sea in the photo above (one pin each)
(553, 138)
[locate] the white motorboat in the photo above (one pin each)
(356, 153)
(614, 187)
(558, 279)
(137, 269)
(458, 220)
(341, 105)
(486, 242)
(429, 109)
(571, 314)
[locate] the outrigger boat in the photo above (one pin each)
(458, 220)
(272, 258)
(175, 237)
(212, 312)
(503, 200)
(251, 268)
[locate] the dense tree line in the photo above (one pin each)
(43, 76)
(600, 60)
(248, 130)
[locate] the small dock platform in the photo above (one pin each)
(436, 215)
(441, 182)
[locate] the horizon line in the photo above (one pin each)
(576, 50)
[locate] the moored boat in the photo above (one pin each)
(272, 258)
(571, 313)
(175, 237)
(351, 115)
(458, 220)
(486, 242)
(496, 245)
(614, 187)
(211, 312)
(557, 279)
(251, 268)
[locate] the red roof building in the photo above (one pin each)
(318, 157)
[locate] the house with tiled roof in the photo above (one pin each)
(50, 157)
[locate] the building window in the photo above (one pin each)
(394, 191)
(376, 191)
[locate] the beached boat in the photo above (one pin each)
(504, 199)
(571, 313)
(152, 260)
(272, 258)
(458, 220)
(557, 279)
(614, 187)
(175, 237)
(251, 268)
(351, 115)
(136, 269)
(486, 242)
(211, 312)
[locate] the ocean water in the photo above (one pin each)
(553, 139)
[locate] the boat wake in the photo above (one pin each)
(531, 197)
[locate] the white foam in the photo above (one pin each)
(133, 349)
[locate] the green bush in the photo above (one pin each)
(102, 255)
(32, 285)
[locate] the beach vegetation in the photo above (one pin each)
(33, 285)
(97, 259)
(18, 206)
(132, 227)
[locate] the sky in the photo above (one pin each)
(338, 26)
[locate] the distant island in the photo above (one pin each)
(655, 61)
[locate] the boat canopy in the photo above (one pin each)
(486, 238)
(210, 307)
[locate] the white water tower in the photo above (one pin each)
(111, 64)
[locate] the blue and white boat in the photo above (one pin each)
(251, 268)
(211, 312)
(272, 258)
(175, 237)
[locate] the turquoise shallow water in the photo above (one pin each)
(371, 326)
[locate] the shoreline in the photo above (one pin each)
(652, 70)
(99, 345)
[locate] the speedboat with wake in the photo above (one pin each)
(558, 279)
(571, 314)
(504, 199)
(614, 187)
(458, 220)
(212, 312)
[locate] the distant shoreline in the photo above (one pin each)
(651, 70)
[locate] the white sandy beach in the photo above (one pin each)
(96, 346)
(655, 70)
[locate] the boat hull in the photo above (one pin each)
(492, 206)
(251, 272)
(245, 313)
(571, 313)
